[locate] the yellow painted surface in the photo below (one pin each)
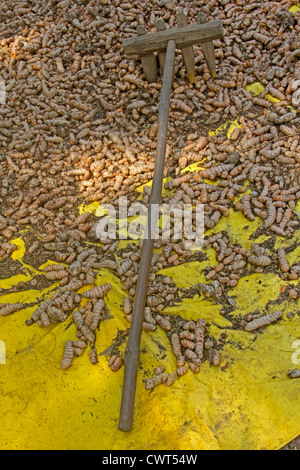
(255, 88)
(88, 207)
(249, 405)
(246, 403)
(229, 126)
(295, 8)
(272, 98)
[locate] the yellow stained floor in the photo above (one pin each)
(248, 404)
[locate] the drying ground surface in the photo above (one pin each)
(78, 130)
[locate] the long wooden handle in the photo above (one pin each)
(132, 353)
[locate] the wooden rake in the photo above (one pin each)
(164, 41)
